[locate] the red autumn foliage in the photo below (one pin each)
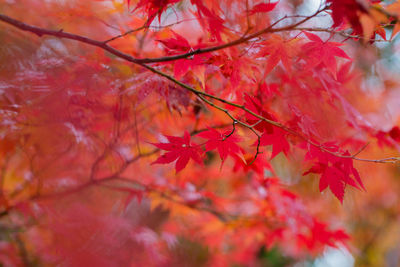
(180, 149)
(197, 133)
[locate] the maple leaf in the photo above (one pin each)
(278, 141)
(394, 8)
(336, 172)
(395, 133)
(180, 149)
(269, 91)
(345, 74)
(215, 23)
(154, 8)
(388, 138)
(303, 122)
(253, 104)
(319, 234)
(232, 66)
(278, 50)
(380, 30)
(263, 7)
(349, 10)
(247, 163)
(174, 96)
(320, 52)
(225, 143)
(179, 43)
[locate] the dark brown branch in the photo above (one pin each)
(258, 146)
(65, 35)
(233, 130)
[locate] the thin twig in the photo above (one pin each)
(124, 34)
(258, 146)
(233, 130)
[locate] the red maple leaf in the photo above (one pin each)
(215, 23)
(336, 171)
(278, 50)
(225, 143)
(154, 8)
(320, 52)
(269, 91)
(348, 10)
(179, 43)
(388, 138)
(320, 234)
(254, 105)
(302, 122)
(248, 163)
(395, 133)
(180, 149)
(263, 7)
(345, 73)
(278, 141)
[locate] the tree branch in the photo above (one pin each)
(65, 35)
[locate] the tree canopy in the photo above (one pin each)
(198, 133)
